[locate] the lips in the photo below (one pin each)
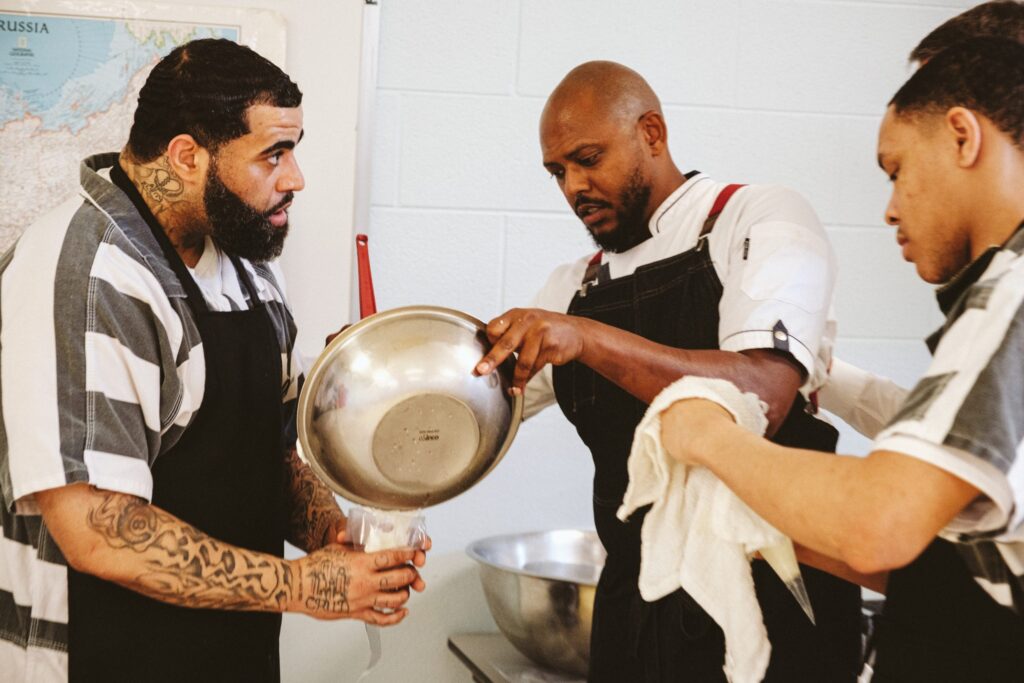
(592, 213)
(904, 244)
(280, 217)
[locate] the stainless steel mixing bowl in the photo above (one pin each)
(540, 589)
(392, 416)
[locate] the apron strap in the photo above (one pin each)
(595, 274)
(716, 209)
(245, 280)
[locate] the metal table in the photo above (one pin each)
(492, 659)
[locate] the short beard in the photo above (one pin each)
(238, 227)
(631, 217)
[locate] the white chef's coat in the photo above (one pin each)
(864, 400)
(770, 253)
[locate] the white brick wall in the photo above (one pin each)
(786, 91)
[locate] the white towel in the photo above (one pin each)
(698, 535)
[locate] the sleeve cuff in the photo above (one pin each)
(765, 339)
(988, 514)
(120, 473)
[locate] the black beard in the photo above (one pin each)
(631, 217)
(238, 227)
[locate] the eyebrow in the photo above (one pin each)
(572, 155)
(284, 144)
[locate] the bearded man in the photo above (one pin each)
(693, 277)
(148, 392)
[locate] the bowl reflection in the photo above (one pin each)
(540, 590)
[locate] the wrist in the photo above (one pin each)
(583, 327)
(296, 571)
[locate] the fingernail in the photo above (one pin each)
(483, 368)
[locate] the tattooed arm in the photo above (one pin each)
(314, 518)
(124, 539)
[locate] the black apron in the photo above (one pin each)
(938, 624)
(226, 477)
(675, 302)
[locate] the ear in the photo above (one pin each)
(188, 159)
(655, 133)
(966, 129)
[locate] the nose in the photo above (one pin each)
(292, 179)
(576, 182)
(892, 216)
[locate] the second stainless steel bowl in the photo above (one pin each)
(540, 590)
(392, 416)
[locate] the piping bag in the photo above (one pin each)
(372, 530)
(782, 559)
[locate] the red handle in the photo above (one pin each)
(367, 302)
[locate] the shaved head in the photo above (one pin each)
(603, 138)
(608, 89)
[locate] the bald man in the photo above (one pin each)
(693, 277)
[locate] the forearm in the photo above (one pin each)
(644, 368)
(314, 517)
(800, 492)
(874, 514)
(125, 540)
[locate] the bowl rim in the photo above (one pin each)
(472, 550)
(313, 379)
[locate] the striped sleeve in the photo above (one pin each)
(123, 369)
(966, 415)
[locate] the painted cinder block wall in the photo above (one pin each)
(463, 214)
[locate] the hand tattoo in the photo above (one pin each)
(186, 567)
(329, 581)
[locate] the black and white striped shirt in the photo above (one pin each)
(101, 371)
(966, 415)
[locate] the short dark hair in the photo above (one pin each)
(203, 88)
(997, 19)
(985, 75)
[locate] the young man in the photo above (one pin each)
(148, 388)
(688, 281)
(937, 504)
(862, 399)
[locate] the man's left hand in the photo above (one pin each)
(541, 337)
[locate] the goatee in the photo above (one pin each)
(631, 217)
